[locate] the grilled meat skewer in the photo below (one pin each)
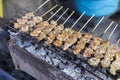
(52, 35)
(101, 49)
(39, 29)
(81, 43)
(93, 46)
(47, 30)
(43, 25)
(110, 53)
(115, 66)
(64, 34)
(30, 20)
(72, 39)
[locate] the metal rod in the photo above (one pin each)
(68, 17)
(49, 10)
(97, 24)
(55, 13)
(77, 20)
(42, 14)
(107, 28)
(112, 31)
(41, 6)
(118, 41)
(62, 15)
(86, 23)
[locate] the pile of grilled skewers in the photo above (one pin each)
(98, 52)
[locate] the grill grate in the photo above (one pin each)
(78, 60)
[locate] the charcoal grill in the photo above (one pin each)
(33, 65)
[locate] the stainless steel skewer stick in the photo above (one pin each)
(112, 31)
(86, 23)
(118, 42)
(42, 14)
(55, 13)
(49, 10)
(62, 15)
(107, 28)
(97, 24)
(77, 20)
(41, 6)
(68, 18)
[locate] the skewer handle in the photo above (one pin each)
(118, 42)
(87, 23)
(107, 28)
(77, 20)
(113, 31)
(62, 14)
(97, 24)
(49, 10)
(55, 13)
(41, 6)
(68, 17)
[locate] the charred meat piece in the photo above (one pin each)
(111, 51)
(81, 43)
(93, 46)
(101, 50)
(52, 35)
(99, 53)
(72, 39)
(39, 28)
(30, 15)
(63, 36)
(24, 28)
(94, 61)
(47, 30)
(17, 25)
(37, 19)
(115, 66)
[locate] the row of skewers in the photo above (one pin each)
(98, 52)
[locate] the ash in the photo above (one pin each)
(52, 58)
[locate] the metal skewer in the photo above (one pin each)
(42, 14)
(107, 29)
(41, 6)
(86, 23)
(49, 10)
(77, 20)
(37, 8)
(68, 18)
(55, 13)
(62, 15)
(112, 31)
(118, 42)
(97, 24)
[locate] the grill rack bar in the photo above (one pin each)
(78, 65)
(66, 53)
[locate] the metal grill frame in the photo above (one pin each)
(66, 53)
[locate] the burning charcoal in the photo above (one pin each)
(48, 60)
(66, 63)
(88, 78)
(42, 52)
(56, 62)
(33, 43)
